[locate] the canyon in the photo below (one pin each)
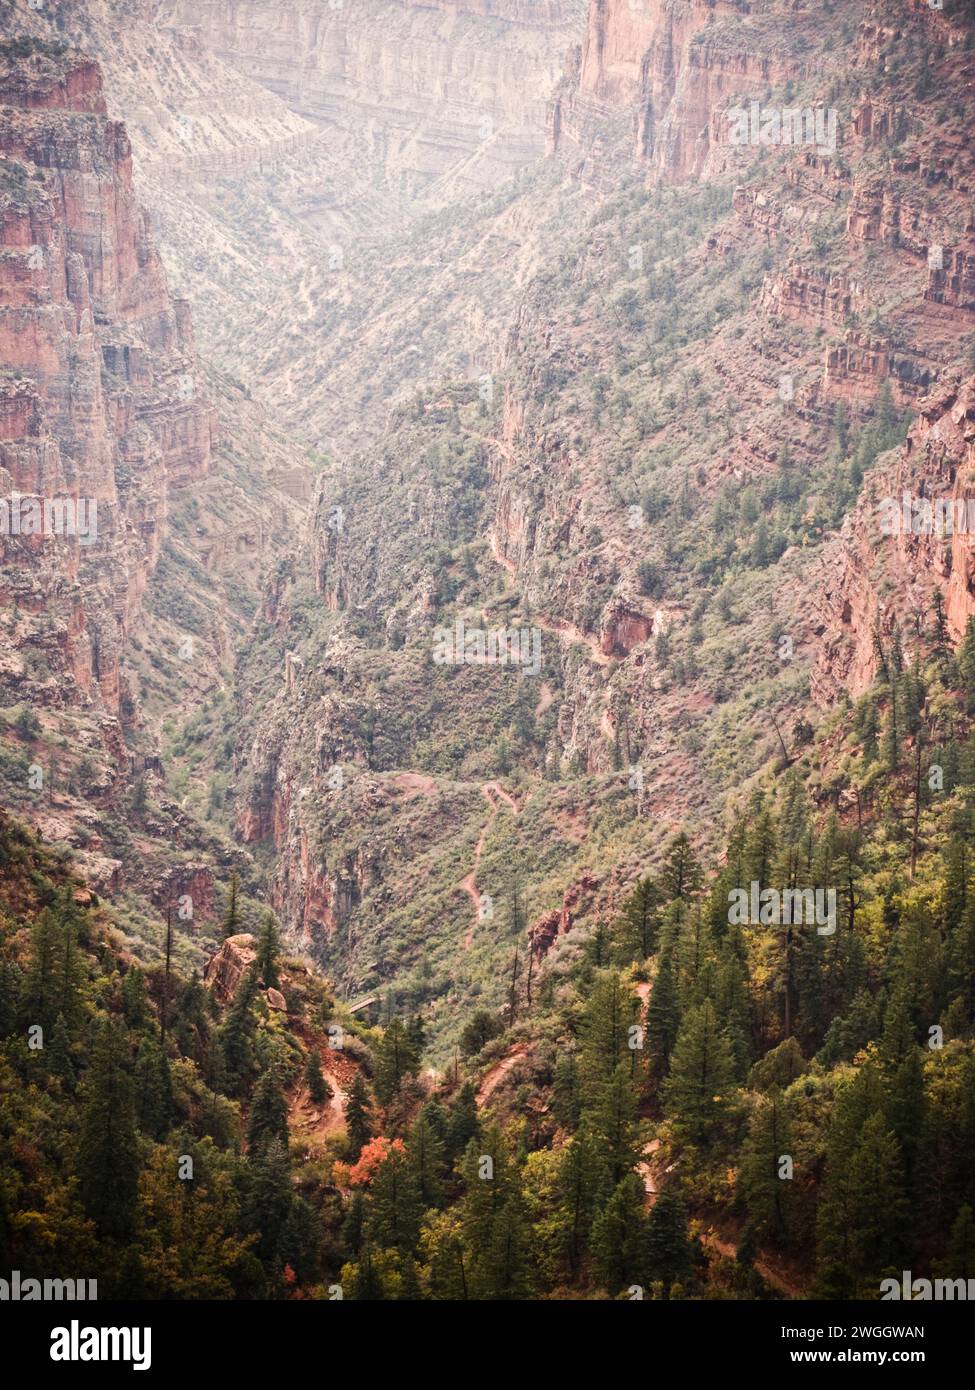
(423, 361)
(473, 495)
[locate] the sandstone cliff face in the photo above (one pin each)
(122, 604)
(450, 95)
(103, 402)
(880, 572)
(229, 965)
(674, 70)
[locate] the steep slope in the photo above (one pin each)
(135, 528)
(689, 393)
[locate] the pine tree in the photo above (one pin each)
(358, 1116)
(237, 1033)
(135, 1001)
(698, 1089)
(768, 1195)
(269, 1113)
(856, 1223)
(639, 928)
(69, 969)
(611, 1111)
(426, 1153)
(566, 1091)
(966, 665)
(610, 1014)
(231, 919)
(42, 985)
(153, 1089)
(464, 1123)
(663, 1017)
(506, 1267)
(681, 876)
(619, 1237)
(108, 1147)
(267, 953)
(580, 1179)
(668, 1245)
(319, 1090)
(267, 1199)
(394, 1203)
(881, 1206)
(396, 1058)
(906, 1114)
(59, 1055)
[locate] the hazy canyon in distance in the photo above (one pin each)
(527, 451)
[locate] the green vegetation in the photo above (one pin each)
(687, 1080)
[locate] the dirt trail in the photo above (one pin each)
(648, 1172)
(502, 560)
(570, 633)
(770, 1275)
(496, 1074)
(489, 790)
(416, 782)
(492, 789)
(313, 1122)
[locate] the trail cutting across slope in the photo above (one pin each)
(489, 790)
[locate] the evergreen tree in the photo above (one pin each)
(268, 1120)
(668, 1245)
(906, 1115)
(681, 876)
(426, 1152)
(358, 1116)
(767, 1193)
(663, 1017)
(267, 953)
(396, 1058)
(153, 1089)
(698, 1089)
(231, 918)
(108, 1148)
(619, 1237)
(135, 1001)
(966, 665)
(319, 1090)
(267, 1200)
(639, 928)
(394, 1203)
(566, 1091)
(464, 1123)
(237, 1033)
(580, 1180)
(42, 986)
(59, 1055)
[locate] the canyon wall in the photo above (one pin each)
(880, 572)
(103, 401)
(446, 94)
(668, 72)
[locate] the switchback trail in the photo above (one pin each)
(489, 790)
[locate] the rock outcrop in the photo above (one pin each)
(229, 965)
(104, 407)
(893, 552)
